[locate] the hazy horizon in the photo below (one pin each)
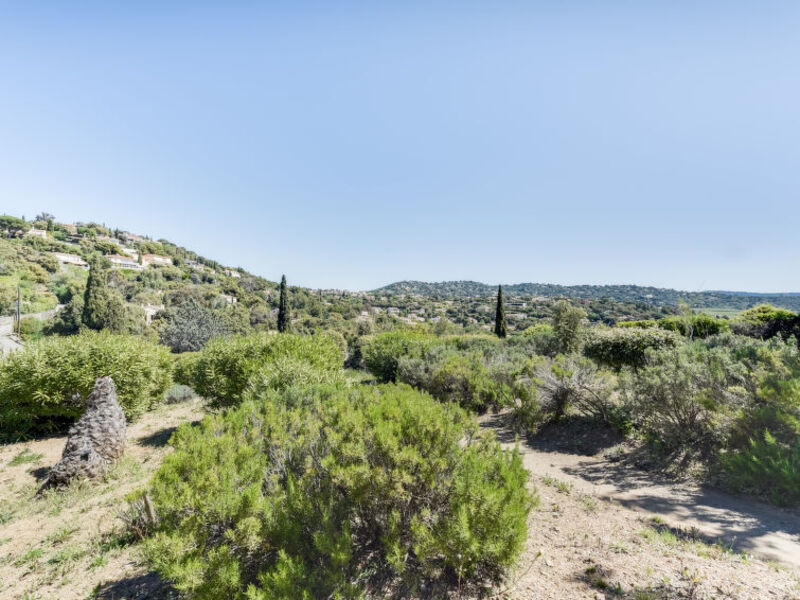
(357, 145)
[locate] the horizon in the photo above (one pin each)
(355, 146)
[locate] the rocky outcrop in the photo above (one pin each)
(96, 440)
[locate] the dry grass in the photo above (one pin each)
(68, 544)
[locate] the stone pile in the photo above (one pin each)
(96, 440)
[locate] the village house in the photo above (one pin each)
(155, 259)
(150, 310)
(232, 273)
(124, 262)
(70, 259)
(37, 233)
(109, 239)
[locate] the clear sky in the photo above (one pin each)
(354, 144)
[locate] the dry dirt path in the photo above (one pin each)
(745, 524)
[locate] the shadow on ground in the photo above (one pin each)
(160, 437)
(575, 448)
(148, 586)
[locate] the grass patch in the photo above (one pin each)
(563, 487)
(25, 457)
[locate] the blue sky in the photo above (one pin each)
(355, 144)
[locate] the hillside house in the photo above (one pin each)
(65, 258)
(42, 233)
(156, 259)
(232, 273)
(124, 262)
(109, 239)
(150, 310)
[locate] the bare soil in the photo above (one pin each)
(603, 528)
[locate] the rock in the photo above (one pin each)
(96, 440)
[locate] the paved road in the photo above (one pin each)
(8, 339)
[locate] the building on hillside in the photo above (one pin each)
(109, 239)
(229, 299)
(42, 233)
(124, 262)
(232, 273)
(155, 259)
(150, 310)
(70, 259)
(131, 252)
(132, 237)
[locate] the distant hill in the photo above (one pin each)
(621, 293)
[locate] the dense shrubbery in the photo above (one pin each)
(573, 381)
(626, 347)
(45, 385)
(333, 494)
(227, 367)
(382, 352)
(694, 325)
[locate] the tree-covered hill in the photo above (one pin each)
(621, 293)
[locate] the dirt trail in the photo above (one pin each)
(747, 525)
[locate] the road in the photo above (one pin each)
(8, 339)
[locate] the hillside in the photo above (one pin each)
(621, 293)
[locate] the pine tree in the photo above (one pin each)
(283, 308)
(500, 328)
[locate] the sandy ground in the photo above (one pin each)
(602, 530)
(71, 545)
(608, 530)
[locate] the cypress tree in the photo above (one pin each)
(95, 297)
(283, 307)
(500, 329)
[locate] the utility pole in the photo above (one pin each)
(19, 305)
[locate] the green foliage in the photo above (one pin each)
(646, 324)
(382, 352)
(466, 380)
(45, 385)
(685, 399)
(500, 327)
(544, 338)
(768, 467)
(283, 308)
(567, 324)
(697, 325)
(189, 327)
(225, 368)
(342, 494)
(574, 381)
(104, 307)
(627, 346)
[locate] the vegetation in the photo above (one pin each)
(283, 308)
(335, 494)
(500, 327)
(227, 367)
(44, 387)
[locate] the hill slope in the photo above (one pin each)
(620, 293)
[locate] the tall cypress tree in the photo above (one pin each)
(283, 308)
(500, 329)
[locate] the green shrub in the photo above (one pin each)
(44, 386)
(646, 324)
(626, 347)
(466, 380)
(382, 352)
(337, 494)
(694, 326)
(222, 371)
(574, 381)
(685, 399)
(768, 467)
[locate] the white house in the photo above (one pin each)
(124, 262)
(70, 259)
(37, 232)
(155, 259)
